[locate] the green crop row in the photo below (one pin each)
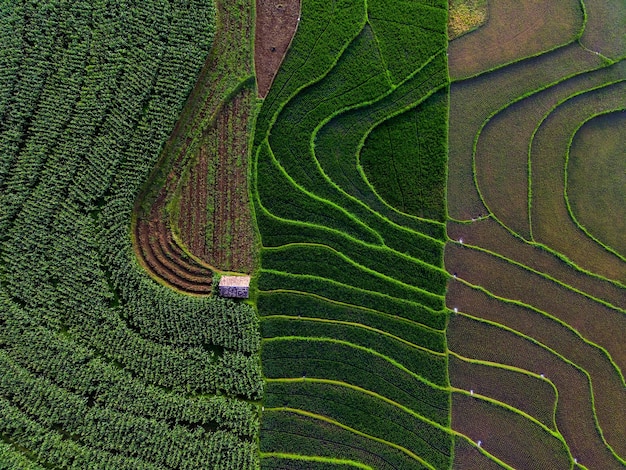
(291, 304)
(407, 33)
(414, 283)
(304, 435)
(411, 357)
(338, 143)
(285, 462)
(271, 190)
(324, 31)
(101, 427)
(365, 413)
(361, 276)
(134, 369)
(405, 159)
(379, 258)
(295, 357)
(272, 280)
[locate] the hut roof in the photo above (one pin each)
(235, 281)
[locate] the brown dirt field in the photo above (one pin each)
(511, 438)
(609, 393)
(515, 29)
(215, 218)
(188, 152)
(276, 24)
(473, 101)
(524, 392)
(490, 235)
(551, 222)
(155, 250)
(467, 457)
(574, 415)
(596, 322)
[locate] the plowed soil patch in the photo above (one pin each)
(276, 24)
(215, 219)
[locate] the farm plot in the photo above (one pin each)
(276, 24)
(515, 30)
(548, 207)
(508, 281)
(501, 155)
(507, 435)
(524, 392)
(607, 384)
(468, 456)
(199, 190)
(595, 182)
(341, 270)
(534, 287)
(399, 159)
(297, 436)
(604, 31)
(465, 16)
(574, 413)
(489, 235)
(214, 219)
(101, 366)
(471, 107)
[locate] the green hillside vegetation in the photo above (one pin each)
(101, 366)
(351, 286)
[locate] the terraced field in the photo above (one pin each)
(351, 285)
(536, 341)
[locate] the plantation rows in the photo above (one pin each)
(102, 366)
(193, 214)
(537, 365)
(351, 282)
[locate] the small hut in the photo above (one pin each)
(236, 287)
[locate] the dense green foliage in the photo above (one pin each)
(101, 366)
(404, 159)
(351, 290)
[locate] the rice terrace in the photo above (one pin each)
(313, 234)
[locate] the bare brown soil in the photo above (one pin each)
(276, 24)
(215, 218)
(161, 256)
(574, 414)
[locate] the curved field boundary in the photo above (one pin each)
(569, 241)
(584, 436)
(501, 158)
(612, 238)
(309, 459)
(539, 326)
(509, 271)
(182, 174)
(515, 30)
(332, 249)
